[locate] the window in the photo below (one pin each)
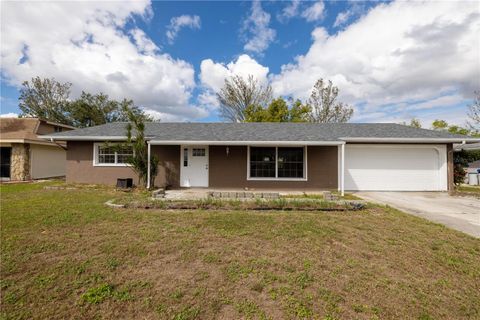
(123, 154)
(290, 162)
(198, 152)
(106, 155)
(277, 162)
(57, 129)
(185, 157)
(262, 162)
(112, 155)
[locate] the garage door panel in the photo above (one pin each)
(395, 168)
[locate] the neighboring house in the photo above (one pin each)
(24, 156)
(300, 156)
(473, 167)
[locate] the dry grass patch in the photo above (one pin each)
(66, 255)
(468, 191)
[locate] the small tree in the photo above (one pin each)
(439, 125)
(415, 123)
(442, 125)
(139, 159)
(460, 162)
(324, 105)
(238, 94)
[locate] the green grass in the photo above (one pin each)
(64, 254)
(467, 188)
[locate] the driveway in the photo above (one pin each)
(460, 213)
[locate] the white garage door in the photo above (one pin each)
(396, 167)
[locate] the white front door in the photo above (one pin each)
(194, 166)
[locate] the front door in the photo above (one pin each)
(5, 155)
(194, 166)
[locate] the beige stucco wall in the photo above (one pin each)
(47, 161)
(230, 171)
(80, 168)
(225, 171)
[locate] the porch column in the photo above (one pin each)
(148, 164)
(342, 172)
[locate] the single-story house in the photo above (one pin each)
(295, 156)
(24, 156)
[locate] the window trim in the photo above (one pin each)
(276, 178)
(96, 146)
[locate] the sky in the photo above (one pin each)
(392, 61)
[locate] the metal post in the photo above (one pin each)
(343, 171)
(148, 165)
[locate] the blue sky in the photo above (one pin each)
(391, 60)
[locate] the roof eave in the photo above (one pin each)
(411, 140)
(84, 138)
(245, 143)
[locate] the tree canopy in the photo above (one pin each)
(238, 94)
(46, 99)
(414, 123)
(443, 125)
(474, 113)
(245, 100)
(95, 109)
(324, 104)
(278, 111)
(50, 100)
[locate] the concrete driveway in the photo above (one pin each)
(460, 213)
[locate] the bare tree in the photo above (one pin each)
(239, 93)
(474, 112)
(325, 108)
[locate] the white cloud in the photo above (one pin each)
(440, 102)
(314, 12)
(183, 21)
(256, 30)
(86, 43)
(355, 10)
(396, 54)
(342, 18)
(213, 75)
(9, 115)
(144, 44)
(289, 11)
(178, 114)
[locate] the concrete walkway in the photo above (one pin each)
(460, 213)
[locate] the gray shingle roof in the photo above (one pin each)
(262, 131)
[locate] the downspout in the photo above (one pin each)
(148, 164)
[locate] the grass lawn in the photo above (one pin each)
(467, 190)
(66, 255)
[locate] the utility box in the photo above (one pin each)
(124, 183)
